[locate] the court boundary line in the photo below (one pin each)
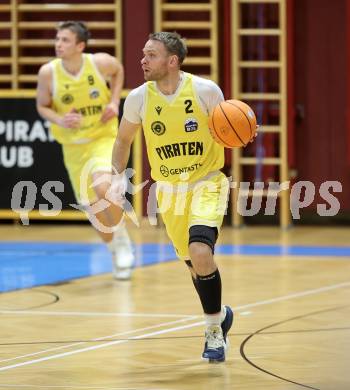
(97, 314)
(80, 387)
(98, 339)
(169, 330)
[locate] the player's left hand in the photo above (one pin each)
(116, 192)
(256, 133)
(111, 111)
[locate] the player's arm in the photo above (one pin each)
(122, 146)
(43, 95)
(212, 94)
(44, 101)
(129, 125)
(120, 157)
(113, 71)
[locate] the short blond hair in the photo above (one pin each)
(173, 42)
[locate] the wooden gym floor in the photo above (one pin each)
(290, 291)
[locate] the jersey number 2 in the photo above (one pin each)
(188, 104)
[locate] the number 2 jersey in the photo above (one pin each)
(179, 144)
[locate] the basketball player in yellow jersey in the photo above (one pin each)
(173, 108)
(73, 95)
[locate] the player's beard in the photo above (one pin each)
(156, 75)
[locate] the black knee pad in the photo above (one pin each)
(204, 234)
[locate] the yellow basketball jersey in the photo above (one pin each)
(86, 93)
(177, 136)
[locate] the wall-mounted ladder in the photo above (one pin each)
(27, 31)
(198, 23)
(258, 49)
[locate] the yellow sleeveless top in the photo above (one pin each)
(177, 136)
(86, 93)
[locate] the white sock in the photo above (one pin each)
(215, 319)
(121, 234)
(223, 313)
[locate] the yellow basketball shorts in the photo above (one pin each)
(203, 203)
(82, 160)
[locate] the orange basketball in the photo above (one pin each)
(232, 123)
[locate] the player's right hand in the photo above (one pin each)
(117, 190)
(72, 120)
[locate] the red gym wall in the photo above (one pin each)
(319, 90)
(137, 24)
(321, 48)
